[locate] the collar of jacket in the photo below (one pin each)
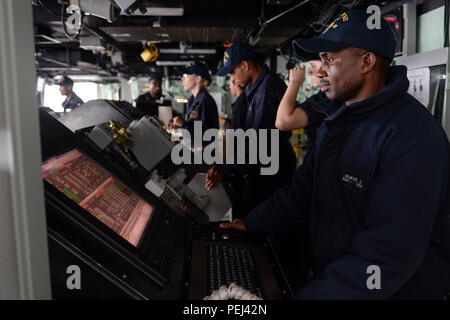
(253, 86)
(396, 87)
(239, 99)
(321, 103)
(151, 97)
(199, 96)
(68, 99)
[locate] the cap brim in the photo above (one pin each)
(182, 70)
(309, 49)
(226, 70)
(63, 83)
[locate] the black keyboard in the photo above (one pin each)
(227, 264)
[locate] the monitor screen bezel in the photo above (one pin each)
(97, 226)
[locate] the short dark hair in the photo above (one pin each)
(382, 63)
(255, 62)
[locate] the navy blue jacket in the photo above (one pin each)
(147, 104)
(263, 98)
(317, 108)
(201, 108)
(374, 191)
(239, 112)
(73, 102)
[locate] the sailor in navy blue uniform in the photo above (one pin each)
(239, 106)
(201, 105)
(374, 192)
(308, 114)
(149, 102)
(264, 90)
(66, 88)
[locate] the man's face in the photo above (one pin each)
(315, 66)
(154, 87)
(65, 90)
(235, 89)
(240, 75)
(340, 74)
(190, 81)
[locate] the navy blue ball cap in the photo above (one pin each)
(350, 29)
(234, 55)
(155, 76)
(305, 56)
(195, 67)
(64, 81)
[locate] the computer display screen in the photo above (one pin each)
(94, 189)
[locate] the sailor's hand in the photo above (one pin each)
(214, 177)
(175, 123)
(170, 124)
(297, 75)
(237, 224)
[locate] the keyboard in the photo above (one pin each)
(227, 264)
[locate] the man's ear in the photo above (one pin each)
(245, 66)
(368, 62)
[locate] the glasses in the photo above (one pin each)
(190, 75)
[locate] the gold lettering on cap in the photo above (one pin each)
(332, 25)
(225, 58)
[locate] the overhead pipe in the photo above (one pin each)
(188, 51)
(264, 23)
(395, 4)
(171, 63)
(109, 40)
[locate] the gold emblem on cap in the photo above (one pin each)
(332, 25)
(225, 58)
